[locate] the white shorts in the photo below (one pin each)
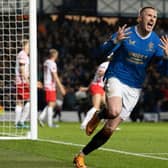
(128, 94)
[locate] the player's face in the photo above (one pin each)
(55, 56)
(148, 19)
(27, 47)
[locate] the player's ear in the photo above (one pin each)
(139, 18)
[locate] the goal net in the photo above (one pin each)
(16, 20)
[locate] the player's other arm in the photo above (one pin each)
(164, 45)
(22, 72)
(83, 89)
(161, 62)
(59, 84)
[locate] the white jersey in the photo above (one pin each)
(49, 67)
(22, 58)
(98, 80)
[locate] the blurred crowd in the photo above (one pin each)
(76, 42)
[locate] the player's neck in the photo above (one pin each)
(52, 59)
(142, 31)
(26, 51)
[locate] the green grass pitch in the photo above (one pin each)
(149, 139)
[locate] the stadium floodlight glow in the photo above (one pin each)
(17, 23)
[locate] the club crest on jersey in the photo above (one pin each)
(150, 46)
(131, 42)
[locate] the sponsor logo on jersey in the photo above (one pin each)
(131, 42)
(150, 46)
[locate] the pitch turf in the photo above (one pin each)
(146, 139)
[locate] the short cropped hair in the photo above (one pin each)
(146, 7)
(52, 52)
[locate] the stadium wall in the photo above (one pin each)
(124, 8)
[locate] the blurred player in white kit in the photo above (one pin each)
(51, 81)
(22, 108)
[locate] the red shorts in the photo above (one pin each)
(23, 91)
(50, 96)
(96, 89)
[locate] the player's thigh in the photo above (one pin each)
(52, 104)
(111, 124)
(114, 105)
(96, 100)
(103, 99)
(114, 95)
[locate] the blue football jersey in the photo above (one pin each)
(132, 57)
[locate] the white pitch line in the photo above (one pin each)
(154, 153)
(106, 149)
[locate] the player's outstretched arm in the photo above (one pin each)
(122, 34)
(60, 85)
(114, 42)
(83, 89)
(164, 45)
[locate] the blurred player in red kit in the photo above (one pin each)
(22, 86)
(51, 81)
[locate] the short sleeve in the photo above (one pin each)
(22, 58)
(102, 67)
(53, 67)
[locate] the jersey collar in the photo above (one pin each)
(136, 31)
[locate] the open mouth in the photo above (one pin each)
(150, 25)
